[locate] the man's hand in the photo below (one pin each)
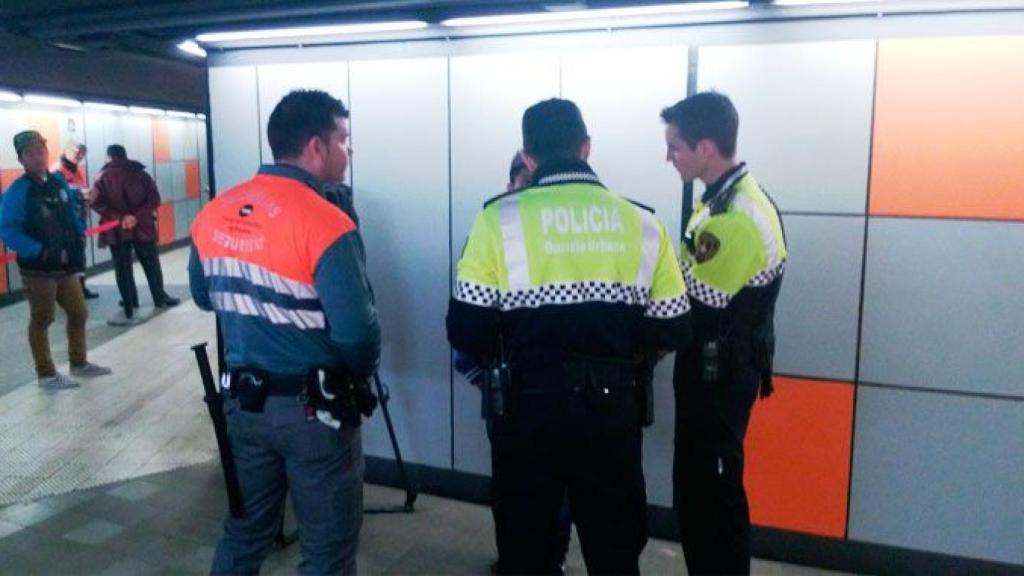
(129, 222)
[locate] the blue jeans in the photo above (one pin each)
(279, 451)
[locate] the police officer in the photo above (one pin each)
(567, 286)
(281, 267)
(733, 259)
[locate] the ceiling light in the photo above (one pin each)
(812, 2)
(178, 114)
(143, 110)
(51, 101)
(190, 47)
(105, 106)
(201, 116)
(280, 33)
(572, 15)
(9, 96)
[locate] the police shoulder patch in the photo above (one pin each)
(706, 247)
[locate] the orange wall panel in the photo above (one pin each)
(8, 176)
(798, 457)
(949, 128)
(161, 140)
(192, 181)
(165, 224)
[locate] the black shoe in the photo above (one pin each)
(89, 294)
(167, 302)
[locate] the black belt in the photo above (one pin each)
(276, 384)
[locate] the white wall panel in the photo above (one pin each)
(401, 191)
(621, 93)
(489, 95)
(233, 109)
(277, 80)
(805, 117)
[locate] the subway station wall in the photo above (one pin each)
(172, 149)
(893, 150)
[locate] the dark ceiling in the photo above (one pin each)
(153, 27)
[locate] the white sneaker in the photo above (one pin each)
(89, 370)
(57, 382)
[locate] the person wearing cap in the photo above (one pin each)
(39, 221)
(567, 287)
(70, 167)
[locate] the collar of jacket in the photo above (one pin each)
(565, 172)
(295, 173)
(724, 182)
(71, 166)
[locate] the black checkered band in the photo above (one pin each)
(576, 293)
(765, 277)
(476, 294)
(669, 308)
(708, 295)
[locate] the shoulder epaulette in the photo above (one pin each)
(639, 205)
(494, 199)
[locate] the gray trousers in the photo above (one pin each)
(279, 451)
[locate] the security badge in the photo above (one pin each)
(706, 247)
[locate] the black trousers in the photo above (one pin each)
(150, 261)
(711, 423)
(569, 431)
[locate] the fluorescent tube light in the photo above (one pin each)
(9, 96)
(105, 106)
(190, 47)
(177, 114)
(201, 116)
(51, 101)
(573, 15)
(280, 33)
(813, 2)
(143, 110)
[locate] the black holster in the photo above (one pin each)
(498, 396)
(346, 398)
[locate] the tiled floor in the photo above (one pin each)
(120, 476)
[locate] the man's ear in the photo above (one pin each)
(706, 149)
(531, 163)
(585, 149)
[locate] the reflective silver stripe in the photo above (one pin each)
(568, 177)
(650, 248)
(248, 306)
(761, 221)
(476, 294)
(259, 276)
(668, 308)
(516, 261)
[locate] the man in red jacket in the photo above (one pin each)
(125, 192)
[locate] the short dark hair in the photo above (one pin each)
(117, 152)
(553, 130)
(299, 116)
(705, 115)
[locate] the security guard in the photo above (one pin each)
(733, 259)
(567, 287)
(282, 268)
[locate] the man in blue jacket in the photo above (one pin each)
(39, 220)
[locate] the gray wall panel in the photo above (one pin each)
(182, 224)
(400, 174)
(177, 180)
(943, 305)
(940, 473)
(795, 100)
(816, 316)
(236, 141)
(485, 132)
(276, 80)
